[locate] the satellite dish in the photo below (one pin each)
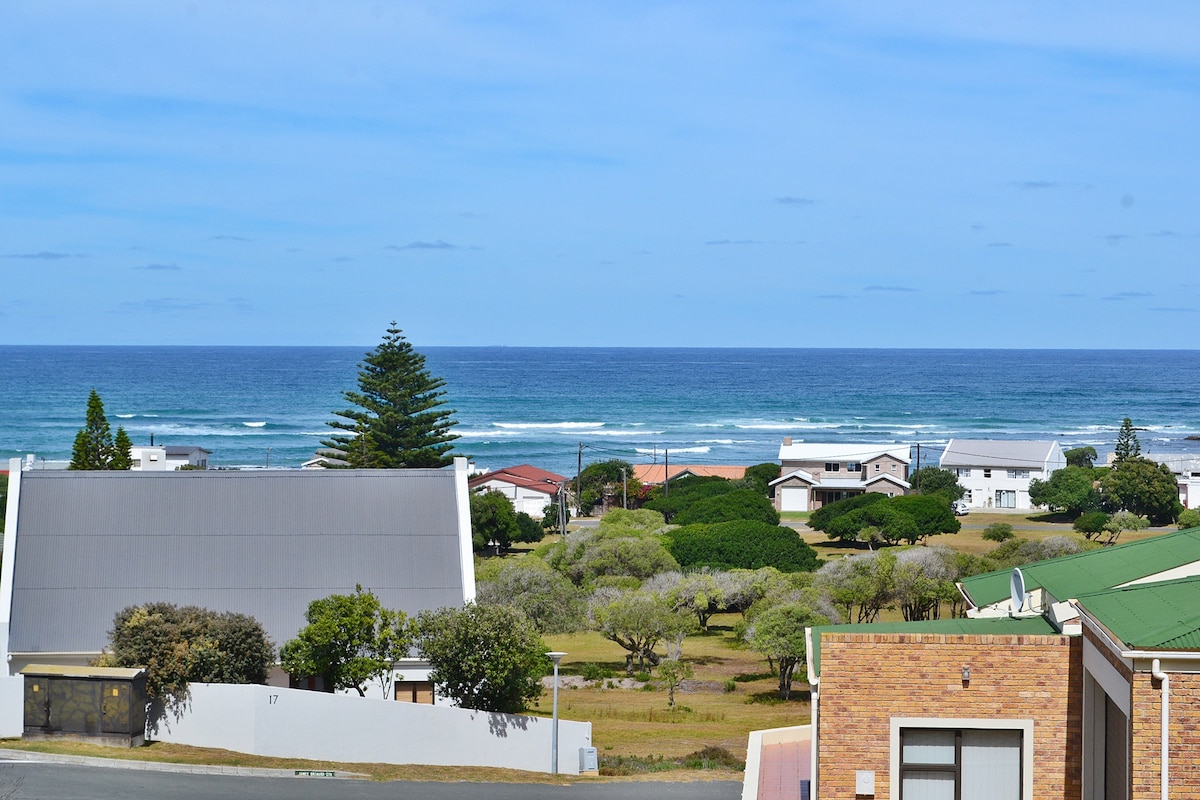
(1017, 590)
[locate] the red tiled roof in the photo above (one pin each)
(523, 475)
(656, 473)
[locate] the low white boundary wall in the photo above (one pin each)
(293, 723)
(754, 748)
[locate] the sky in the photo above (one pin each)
(759, 174)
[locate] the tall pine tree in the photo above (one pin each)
(122, 453)
(93, 448)
(398, 419)
(1128, 445)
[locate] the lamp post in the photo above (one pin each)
(556, 657)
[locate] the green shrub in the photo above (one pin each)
(594, 672)
(821, 518)
(741, 544)
(730, 686)
(1091, 523)
(1189, 518)
(738, 504)
(998, 532)
(643, 677)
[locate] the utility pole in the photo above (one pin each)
(666, 472)
(578, 476)
(624, 490)
(562, 509)
(918, 486)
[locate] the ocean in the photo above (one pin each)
(255, 407)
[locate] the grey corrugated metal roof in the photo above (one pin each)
(996, 453)
(263, 543)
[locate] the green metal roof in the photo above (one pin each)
(981, 626)
(1150, 616)
(1083, 573)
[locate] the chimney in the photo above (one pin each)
(787, 441)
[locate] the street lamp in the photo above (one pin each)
(556, 657)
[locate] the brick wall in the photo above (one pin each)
(867, 679)
(1184, 754)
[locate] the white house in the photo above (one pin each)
(815, 474)
(157, 458)
(996, 473)
(529, 489)
(1187, 474)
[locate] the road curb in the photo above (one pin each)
(161, 766)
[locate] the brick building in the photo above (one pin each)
(1045, 702)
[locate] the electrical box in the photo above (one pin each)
(588, 761)
(864, 782)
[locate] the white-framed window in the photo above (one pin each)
(854, 466)
(1006, 498)
(893, 467)
(945, 759)
(877, 468)
(1018, 473)
(832, 466)
(962, 472)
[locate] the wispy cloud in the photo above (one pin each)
(832, 297)
(160, 267)
(1072, 294)
(1126, 295)
(161, 305)
(877, 288)
(1116, 238)
(1174, 309)
(988, 292)
(1036, 184)
(978, 228)
(732, 241)
(342, 259)
(999, 244)
(1166, 234)
(422, 245)
(225, 237)
(795, 201)
(44, 255)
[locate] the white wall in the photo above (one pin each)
(292, 723)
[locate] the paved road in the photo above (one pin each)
(70, 782)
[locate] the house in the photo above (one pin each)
(815, 474)
(996, 473)
(80, 546)
(530, 489)
(657, 474)
(1101, 703)
(154, 458)
(1186, 469)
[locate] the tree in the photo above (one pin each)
(1146, 488)
(908, 518)
(1128, 445)
(820, 519)
(637, 621)
(935, 480)
(1091, 523)
(1123, 521)
(671, 674)
(1187, 519)
(1070, 489)
(685, 492)
(760, 476)
(998, 532)
(493, 520)
(349, 641)
(488, 658)
(778, 633)
(93, 448)
(741, 544)
(1081, 457)
(529, 530)
(601, 481)
(700, 593)
(863, 584)
(181, 645)
(398, 419)
(922, 580)
(738, 504)
(122, 452)
(550, 601)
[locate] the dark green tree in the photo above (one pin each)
(529, 530)
(741, 544)
(739, 504)
(778, 633)
(760, 476)
(1128, 445)
(489, 658)
(350, 640)
(998, 532)
(398, 419)
(603, 481)
(935, 480)
(550, 601)
(1081, 457)
(93, 448)
(1091, 523)
(122, 455)
(493, 521)
(1069, 489)
(819, 520)
(1146, 488)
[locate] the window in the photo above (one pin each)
(949, 763)
(963, 472)
(987, 473)
(893, 467)
(877, 468)
(420, 692)
(1006, 498)
(832, 466)
(1018, 473)
(854, 466)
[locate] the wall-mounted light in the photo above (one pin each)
(966, 673)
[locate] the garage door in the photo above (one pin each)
(793, 498)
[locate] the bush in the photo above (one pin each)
(998, 532)
(594, 672)
(738, 504)
(1091, 523)
(821, 518)
(741, 545)
(1189, 518)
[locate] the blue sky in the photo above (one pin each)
(792, 174)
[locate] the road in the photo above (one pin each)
(44, 781)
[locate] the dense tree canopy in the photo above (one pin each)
(739, 504)
(1069, 489)
(686, 492)
(489, 658)
(349, 641)
(935, 480)
(1081, 457)
(398, 417)
(820, 519)
(550, 601)
(94, 446)
(493, 520)
(907, 518)
(778, 633)
(602, 483)
(741, 544)
(759, 476)
(180, 645)
(1146, 488)
(1128, 445)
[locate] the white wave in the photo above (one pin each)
(785, 426)
(126, 416)
(624, 433)
(255, 424)
(650, 451)
(715, 441)
(489, 434)
(536, 425)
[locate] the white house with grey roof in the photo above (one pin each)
(996, 472)
(80, 546)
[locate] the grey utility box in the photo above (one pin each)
(588, 761)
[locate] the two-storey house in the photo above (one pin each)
(815, 474)
(996, 473)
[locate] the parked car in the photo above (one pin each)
(960, 508)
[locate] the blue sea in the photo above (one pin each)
(255, 407)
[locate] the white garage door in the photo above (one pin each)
(793, 498)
